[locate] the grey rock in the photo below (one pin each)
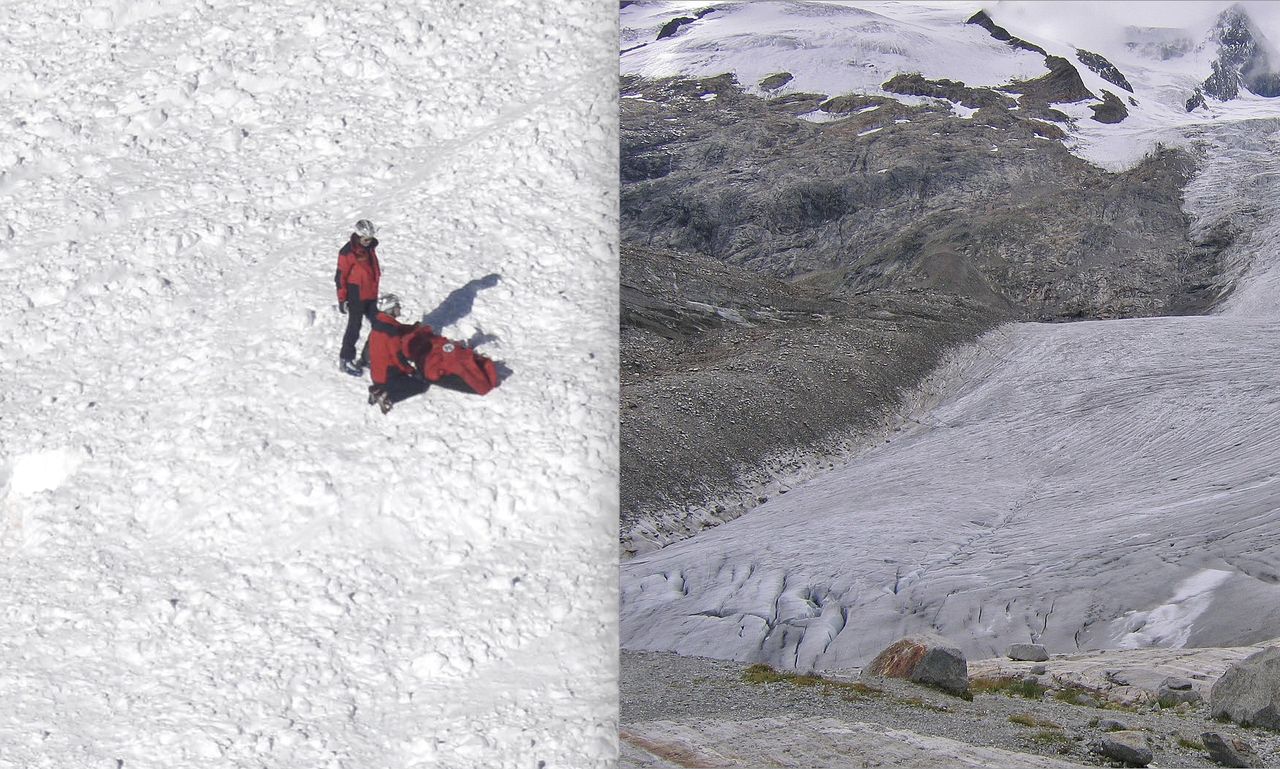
(1028, 652)
(1128, 746)
(1248, 693)
(1038, 670)
(1225, 750)
(1112, 725)
(1177, 691)
(926, 658)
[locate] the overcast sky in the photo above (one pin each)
(1088, 19)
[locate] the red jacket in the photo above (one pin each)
(388, 342)
(358, 267)
(438, 357)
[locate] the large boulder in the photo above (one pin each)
(1175, 691)
(1028, 652)
(1226, 750)
(926, 658)
(1129, 747)
(1248, 693)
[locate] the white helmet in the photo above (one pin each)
(365, 229)
(390, 304)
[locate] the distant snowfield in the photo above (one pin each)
(834, 47)
(214, 552)
(1094, 485)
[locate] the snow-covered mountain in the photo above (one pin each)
(1089, 485)
(215, 553)
(1215, 49)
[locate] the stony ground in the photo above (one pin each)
(689, 711)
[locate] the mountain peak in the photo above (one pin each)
(1246, 59)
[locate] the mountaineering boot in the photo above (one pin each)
(374, 394)
(346, 366)
(384, 401)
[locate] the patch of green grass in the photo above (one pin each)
(1051, 737)
(763, 674)
(1075, 696)
(1008, 685)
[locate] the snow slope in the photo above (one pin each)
(214, 552)
(833, 47)
(1090, 485)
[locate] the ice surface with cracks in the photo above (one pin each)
(1093, 485)
(214, 552)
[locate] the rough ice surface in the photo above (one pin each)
(214, 553)
(1094, 485)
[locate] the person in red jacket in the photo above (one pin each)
(450, 363)
(406, 358)
(356, 280)
(394, 376)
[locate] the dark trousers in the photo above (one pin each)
(356, 311)
(400, 386)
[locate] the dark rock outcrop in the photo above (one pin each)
(1105, 69)
(1243, 59)
(1062, 84)
(1111, 110)
(673, 26)
(915, 84)
(775, 81)
(1000, 33)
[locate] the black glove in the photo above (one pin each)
(342, 307)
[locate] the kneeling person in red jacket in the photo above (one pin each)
(393, 373)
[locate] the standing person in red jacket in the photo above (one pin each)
(394, 376)
(357, 279)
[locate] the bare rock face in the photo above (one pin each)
(1248, 692)
(1105, 69)
(924, 659)
(1243, 60)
